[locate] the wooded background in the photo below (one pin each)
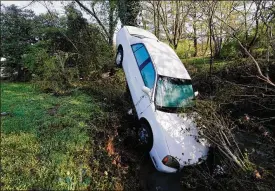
(219, 30)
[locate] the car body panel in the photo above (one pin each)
(159, 141)
(131, 70)
(170, 136)
(163, 57)
(182, 137)
(140, 32)
(166, 61)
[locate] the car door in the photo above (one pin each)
(145, 77)
(148, 75)
(129, 64)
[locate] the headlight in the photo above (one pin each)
(171, 162)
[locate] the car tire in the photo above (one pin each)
(145, 136)
(119, 57)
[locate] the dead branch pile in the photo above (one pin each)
(236, 115)
(217, 129)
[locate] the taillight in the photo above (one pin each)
(171, 162)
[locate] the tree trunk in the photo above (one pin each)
(211, 50)
(155, 23)
(206, 46)
(176, 27)
(195, 40)
(111, 23)
(245, 22)
(158, 21)
(128, 12)
(194, 17)
(212, 36)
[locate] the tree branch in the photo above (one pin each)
(59, 29)
(262, 77)
(95, 16)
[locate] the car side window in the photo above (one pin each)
(140, 52)
(148, 74)
(144, 64)
(135, 47)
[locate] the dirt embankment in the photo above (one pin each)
(245, 101)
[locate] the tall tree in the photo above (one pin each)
(173, 16)
(153, 8)
(50, 30)
(16, 35)
(268, 19)
(84, 36)
(156, 7)
(195, 15)
(128, 11)
(106, 15)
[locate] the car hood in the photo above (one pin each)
(182, 138)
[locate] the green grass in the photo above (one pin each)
(201, 64)
(45, 140)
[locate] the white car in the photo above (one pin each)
(160, 86)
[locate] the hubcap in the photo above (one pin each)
(143, 136)
(118, 58)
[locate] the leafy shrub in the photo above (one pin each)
(52, 75)
(230, 50)
(259, 52)
(185, 49)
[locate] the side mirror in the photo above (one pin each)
(196, 93)
(146, 90)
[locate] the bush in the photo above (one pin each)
(185, 49)
(58, 70)
(259, 52)
(230, 50)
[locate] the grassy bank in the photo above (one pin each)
(201, 64)
(79, 141)
(45, 140)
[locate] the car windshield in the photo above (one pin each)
(174, 93)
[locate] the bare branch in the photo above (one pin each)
(262, 77)
(59, 28)
(93, 13)
(28, 4)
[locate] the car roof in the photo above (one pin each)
(165, 60)
(140, 33)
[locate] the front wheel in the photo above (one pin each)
(119, 57)
(145, 136)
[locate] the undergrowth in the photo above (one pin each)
(235, 109)
(85, 139)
